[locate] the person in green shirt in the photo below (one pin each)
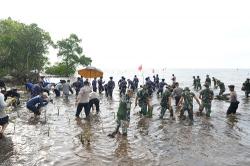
(206, 96)
(123, 113)
(143, 98)
(187, 102)
(166, 103)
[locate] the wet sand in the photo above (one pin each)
(57, 139)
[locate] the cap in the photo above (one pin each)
(186, 89)
(111, 77)
(231, 86)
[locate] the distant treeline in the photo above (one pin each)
(24, 51)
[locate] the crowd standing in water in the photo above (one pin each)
(87, 97)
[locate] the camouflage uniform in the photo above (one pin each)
(164, 103)
(198, 83)
(188, 103)
(215, 82)
(246, 87)
(208, 81)
(207, 96)
(194, 82)
(123, 114)
(143, 100)
(222, 88)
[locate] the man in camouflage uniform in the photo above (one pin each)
(143, 99)
(215, 82)
(246, 87)
(166, 104)
(208, 81)
(194, 82)
(198, 83)
(123, 113)
(206, 96)
(222, 87)
(187, 101)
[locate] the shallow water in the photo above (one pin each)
(57, 139)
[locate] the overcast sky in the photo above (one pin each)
(155, 33)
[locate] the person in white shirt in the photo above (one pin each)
(83, 100)
(94, 100)
(233, 101)
(66, 88)
(4, 119)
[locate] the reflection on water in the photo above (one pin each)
(56, 138)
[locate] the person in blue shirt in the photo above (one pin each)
(81, 81)
(110, 87)
(28, 86)
(35, 103)
(94, 85)
(36, 89)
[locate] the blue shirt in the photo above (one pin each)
(36, 90)
(28, 86)
(37, 100)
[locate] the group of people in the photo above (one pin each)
(183, 100)
(87, 97)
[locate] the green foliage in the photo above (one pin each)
(22, 48)
(71, 53)
(59, 69)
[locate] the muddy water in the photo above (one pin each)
(57, 139)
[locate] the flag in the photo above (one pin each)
(140, 68)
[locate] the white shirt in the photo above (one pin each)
(83, 96)
(2, 106)
(233, 96)
(93, 95)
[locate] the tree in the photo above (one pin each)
(59, 69)
(71, 53)
(22, 48)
